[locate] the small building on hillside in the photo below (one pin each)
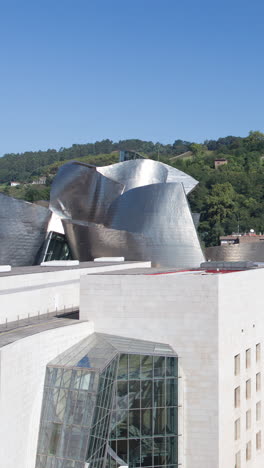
(241, 238)
(40, 181)
(14, 184)
(220, 162)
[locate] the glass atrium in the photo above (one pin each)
(110, 402)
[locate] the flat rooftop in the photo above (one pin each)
(167, 271)
(24, 328)
(29, 270)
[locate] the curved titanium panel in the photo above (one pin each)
(177, 176)
(137, 215)
(165, 221)
(81, 193)
(237, 252)
(23, 228)
(136, 173)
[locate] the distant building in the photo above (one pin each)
(220, 162)
(40, 181)
(241, 238)
(128, 155)
(14, 184)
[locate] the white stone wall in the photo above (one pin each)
(179, 309)
(39, 293)
(22, 367)
(241, 327)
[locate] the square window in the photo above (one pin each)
(258, 440)
(248, 419)
(258, 382)
(248, 358)
(248, 389)
(237, 397)
(237, 364)
(258, 411)
(248, 451)
(237, 429)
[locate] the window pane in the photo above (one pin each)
(79, 408)
(159, 451)
(134, 453)
(258, 352)
(70, 407)
(159, 393)
(172, 450)
(146, 367)
(248, 451)
(258, 411)
(74, 445)
(159, 366)
(258, 440)
(134, 366)
(85, 381)
(77, 375)
(55, 437)
(172, 392)
(146, 422)
(146, 393)
(65, 436)
(258, 382)
(134, 423)
(122, 449)
(122, 394)
(134, 394)
(121, 424)
(237, 397)
(172, 421)
(237, 429)
(123, 367)
(159, 421)
(172, 367)
(146, 452)
(248, 358)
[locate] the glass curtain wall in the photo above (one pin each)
(110, 408)
(144, 420)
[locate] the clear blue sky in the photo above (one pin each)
(76, 71)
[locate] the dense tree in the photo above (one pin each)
(230, 198)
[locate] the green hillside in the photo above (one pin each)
(229, 198)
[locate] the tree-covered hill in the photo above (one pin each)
(229, 198)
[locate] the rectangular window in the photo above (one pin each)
(248, 451)
(237, 397)
(237, 429)
(258, 352)
(258, 440)
(248, 358)
(248, 389)
(237, 364)
(258, 382)
(248, 419)
(258, 411)
(238, 460)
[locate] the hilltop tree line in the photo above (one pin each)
(230, 198)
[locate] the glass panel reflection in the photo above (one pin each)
(134, 423)
(146, 367)
(146, 422)
(132, 411)
(134, 366)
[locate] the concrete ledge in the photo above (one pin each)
(4, 268)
